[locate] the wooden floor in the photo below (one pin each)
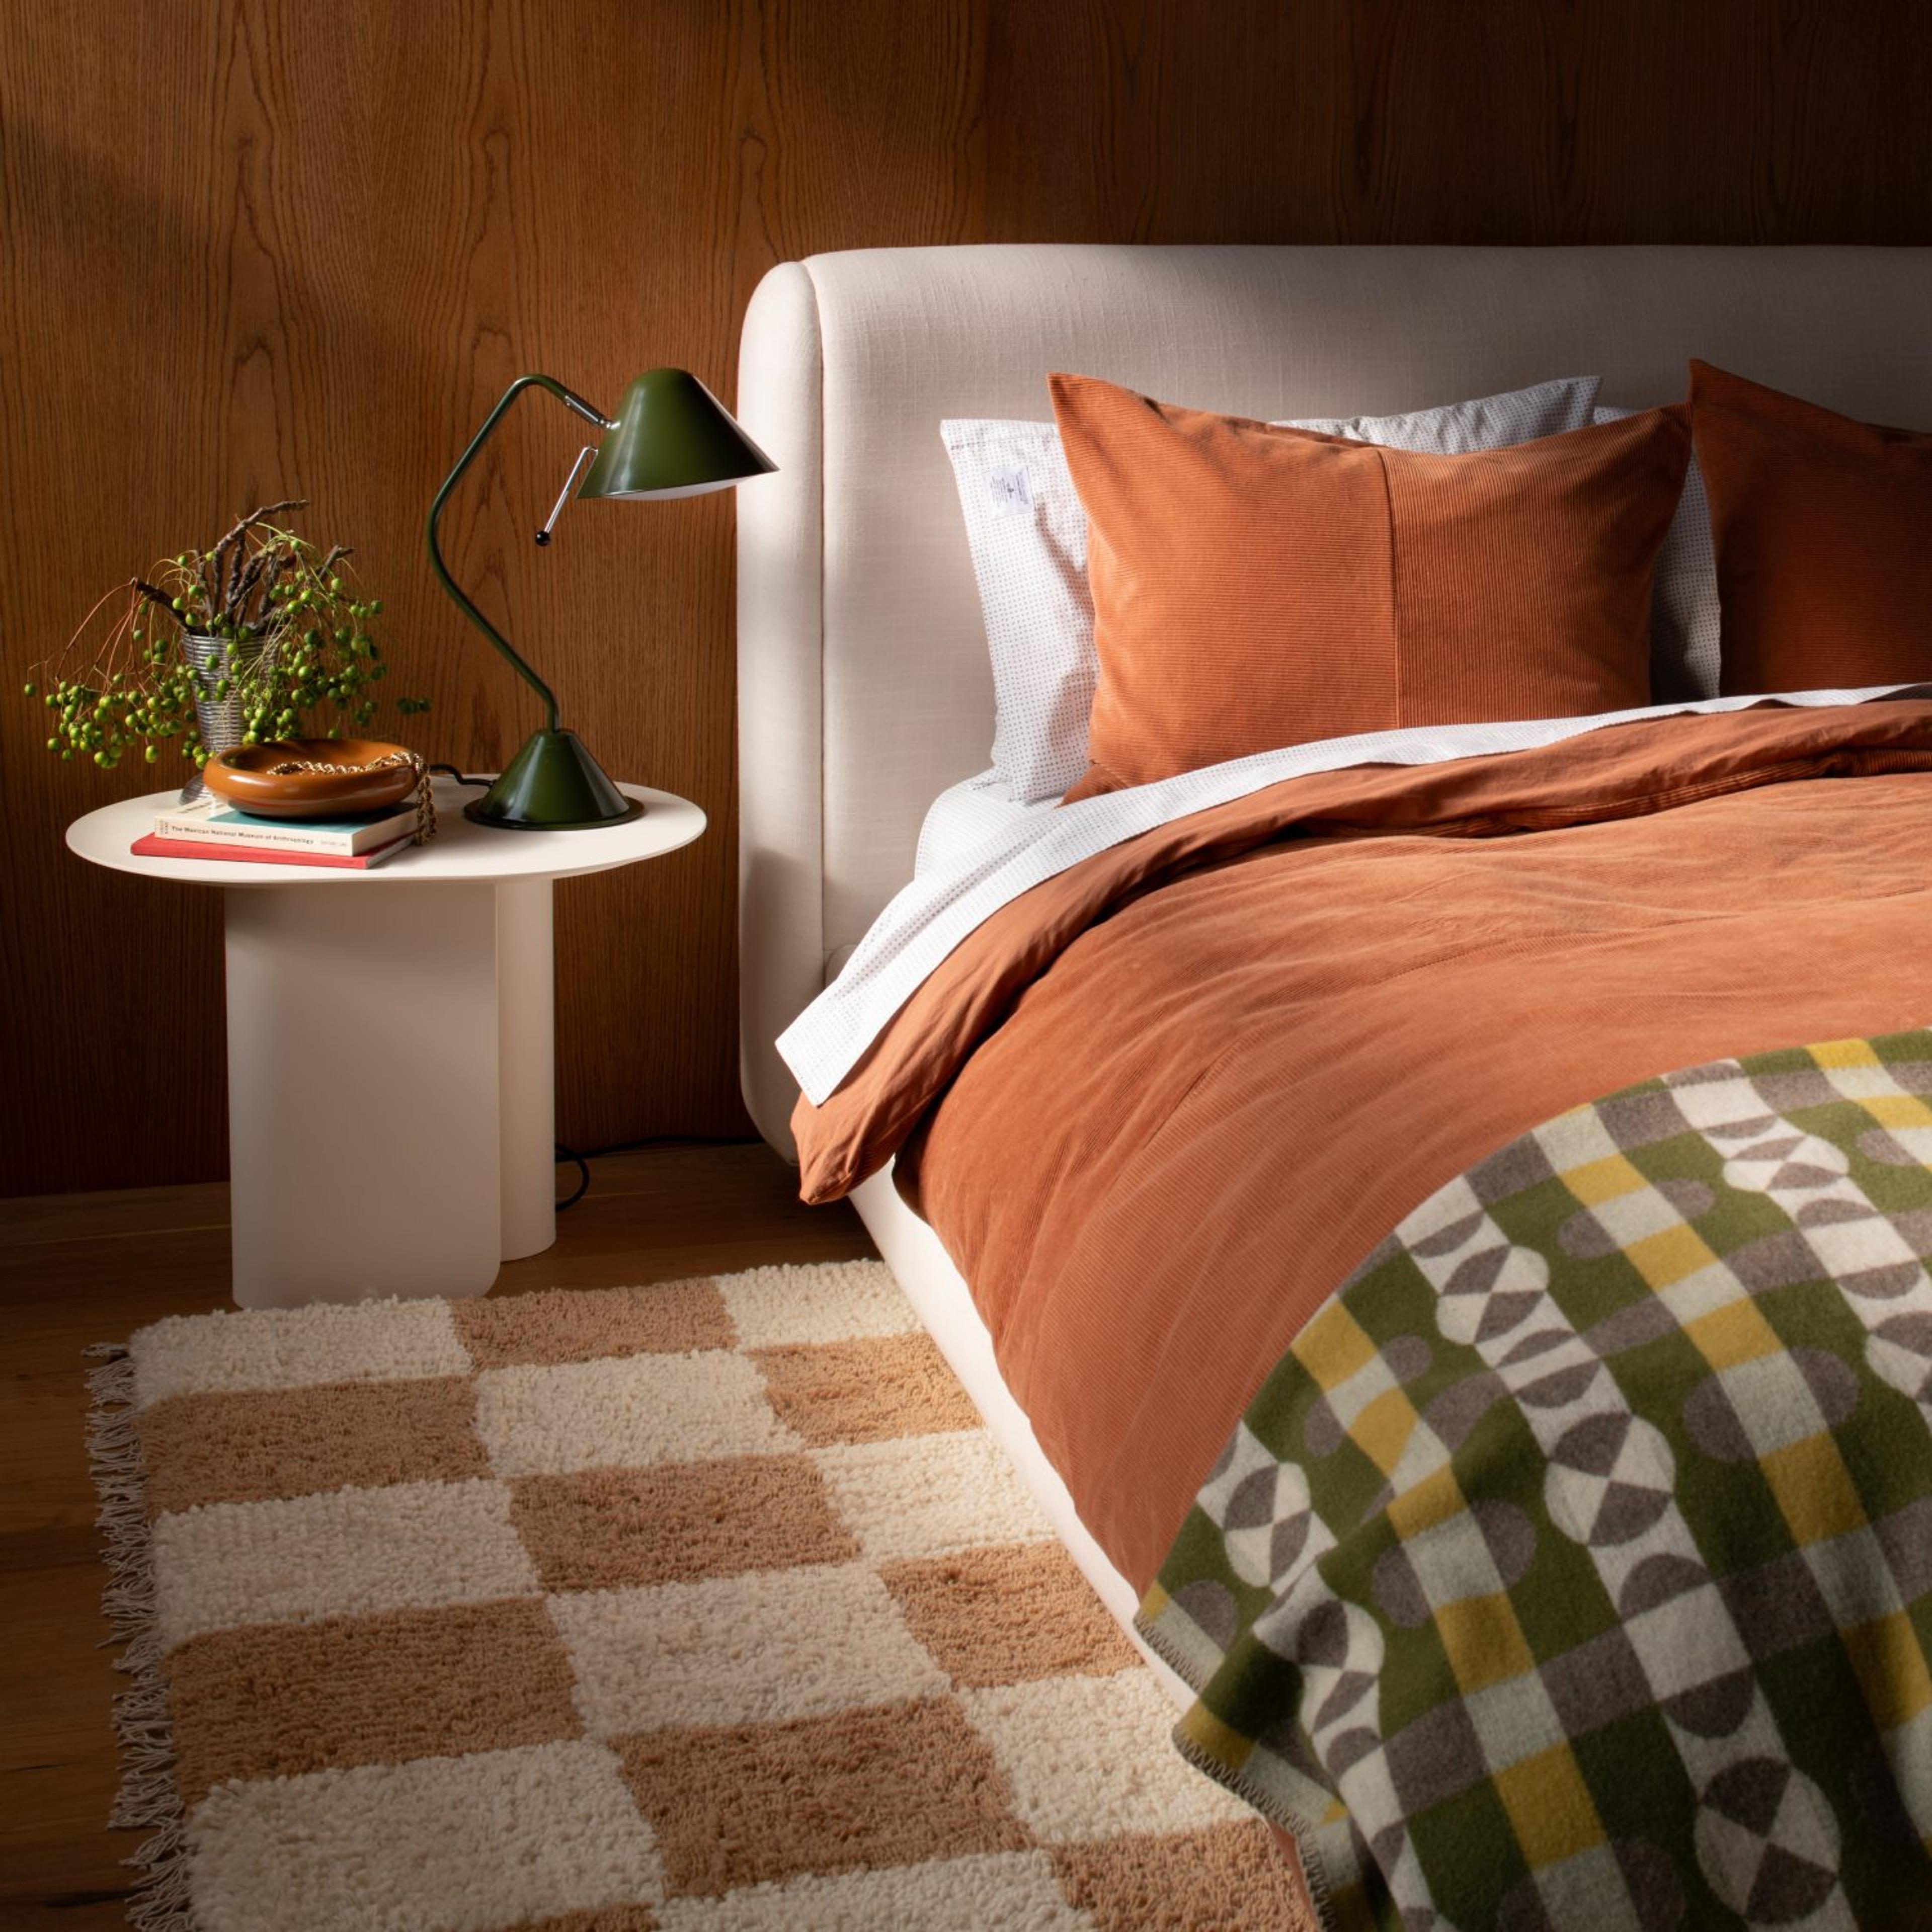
(80, 1268)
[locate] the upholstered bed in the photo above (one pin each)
(864, 687)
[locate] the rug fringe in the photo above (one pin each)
(147, 1799)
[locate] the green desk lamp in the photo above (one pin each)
(672, 438)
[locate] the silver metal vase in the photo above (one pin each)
(220, 718)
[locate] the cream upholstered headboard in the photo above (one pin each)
(863, 682)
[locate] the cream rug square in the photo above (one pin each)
(708, 1605)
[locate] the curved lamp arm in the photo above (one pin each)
(571, 400)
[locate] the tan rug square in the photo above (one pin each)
(1224, 1878)
(601, 1529)
(889, 1786)
(251, 1448)
(864, 1390)
(278, 1700)
(671, 1318)
(1015, 1611)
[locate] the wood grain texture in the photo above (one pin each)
(251, 248)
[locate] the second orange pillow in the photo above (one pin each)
(1255, 587)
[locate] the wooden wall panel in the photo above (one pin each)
(254, 247)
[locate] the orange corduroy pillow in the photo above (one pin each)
(1823, 530)
(1256, 587)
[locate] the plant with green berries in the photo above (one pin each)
(262, 618)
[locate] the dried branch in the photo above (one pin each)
(153, 596)
(247, 575)
(270, 576)
(255, 516)
(237, 564)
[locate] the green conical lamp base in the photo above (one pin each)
(553, 784)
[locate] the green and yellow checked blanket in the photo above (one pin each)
(1574, 1569)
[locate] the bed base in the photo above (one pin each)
(942, 1301)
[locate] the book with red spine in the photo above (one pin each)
(152, 845)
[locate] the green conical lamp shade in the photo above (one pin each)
(673, 438)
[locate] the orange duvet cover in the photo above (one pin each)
(1159, 1107)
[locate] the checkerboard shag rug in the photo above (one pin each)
(706, 1605)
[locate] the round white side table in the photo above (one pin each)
(391, 1074)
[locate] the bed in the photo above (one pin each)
(864, 688)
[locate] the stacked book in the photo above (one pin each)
(213, 830)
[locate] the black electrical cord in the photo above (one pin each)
(582, 1161)
(461, 778)
(582, 1176)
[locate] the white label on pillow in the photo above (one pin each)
(1012, 492)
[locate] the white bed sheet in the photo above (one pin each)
(965, 816)
(931, 916)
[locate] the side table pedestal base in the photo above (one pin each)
(364, 1147)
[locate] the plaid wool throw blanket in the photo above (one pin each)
(1574, 1569)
